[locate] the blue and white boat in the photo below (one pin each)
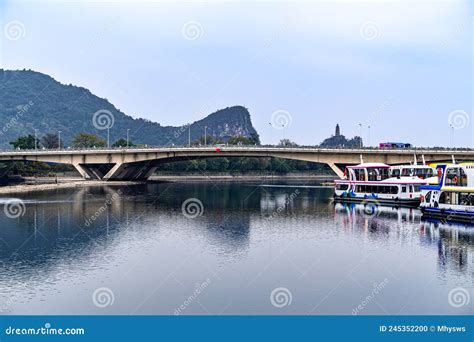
(453, 198)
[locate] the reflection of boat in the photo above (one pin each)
(371, 182)
(453, 198)
(371, 209)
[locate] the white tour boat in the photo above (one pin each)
(372, 182)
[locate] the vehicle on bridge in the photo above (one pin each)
(394, 145)
(453, 198)
(371, 182)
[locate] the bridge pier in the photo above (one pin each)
(336, 170)
(130, 171)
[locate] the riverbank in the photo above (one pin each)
(34, 184)
(61, 184)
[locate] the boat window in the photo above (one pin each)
(383, 173)
(428, 197)
(447, 197)
(394, 190)
(456, 177)
(417, 188)
(404, 189)
(407, 172)
(359, 174)
(377, 174)
(424, 173)
(466, 199)
(342, 187)
(442, 197)
(396, 173)
(372, 174)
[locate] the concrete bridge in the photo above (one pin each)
(141, 163)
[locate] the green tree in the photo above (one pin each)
(287, 143)
(122, 143)
(240, 140)
(50, 141)
(87, 140)
(254, 139)
(210, 140)
(26, 142)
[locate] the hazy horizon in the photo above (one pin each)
(397, 66)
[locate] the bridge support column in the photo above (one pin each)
(130, 171)
(84, 172)
(336, 170)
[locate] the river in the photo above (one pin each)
(213, 248)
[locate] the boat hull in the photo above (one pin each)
(412, 202)
(448, 215)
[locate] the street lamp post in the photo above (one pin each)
(128, 130)
(59, 140)
(205, 135)
(108, 137)
(189, 135)
(360, 134)
(36, 145)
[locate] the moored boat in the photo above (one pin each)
(453, 198)
(372, 182)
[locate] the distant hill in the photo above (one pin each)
(339, 140)
(31, 100)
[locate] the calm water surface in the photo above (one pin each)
(131, 250)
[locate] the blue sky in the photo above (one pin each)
(403, 67)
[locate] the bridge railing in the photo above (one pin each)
(235, 147)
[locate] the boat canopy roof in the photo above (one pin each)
(411, 166)
(369, 166)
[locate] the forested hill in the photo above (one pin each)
(31, 100)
